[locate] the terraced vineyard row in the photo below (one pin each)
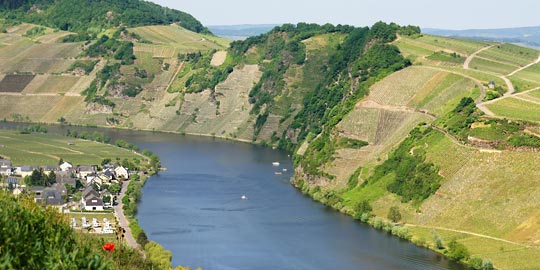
(399, 88)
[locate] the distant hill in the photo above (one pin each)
(241, 32)
(528, 36)
(95, 15)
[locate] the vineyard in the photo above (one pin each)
(445, 95)
(491, 66)
(511, 54)
(47, 149)
(400, 87)
(529, 76)
(461, 46)
(35, 107)
(51, 84)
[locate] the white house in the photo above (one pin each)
(91, 201)
(85, 170)
(5, 167)
(121, 172)
(66, 166)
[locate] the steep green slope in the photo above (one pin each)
(94, 16)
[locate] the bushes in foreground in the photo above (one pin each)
(37, 238)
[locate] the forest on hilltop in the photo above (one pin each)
(94, 16)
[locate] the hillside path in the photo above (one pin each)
(471, 233)
(180, 67)
(122, 220)
(471, 57)
(375, 105)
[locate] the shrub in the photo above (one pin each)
(362, 207)
(394, 215)
(457, 251)
(39, 238)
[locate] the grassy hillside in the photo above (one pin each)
(48, 149)
(462, 174)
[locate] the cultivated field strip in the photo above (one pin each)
(511, 54)
(178, 38)
(531, 74)
(33, 107)
(491, 66)
(15, 83)
(57, 84)
(400, 87)
(463, 47)
(490, 180)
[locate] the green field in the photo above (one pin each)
(529, 77)
(511, 54)
(47, 149)
(516, 109)
(491, 66)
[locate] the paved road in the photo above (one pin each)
(122, 220)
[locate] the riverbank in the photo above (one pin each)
(397, 229)
(133, 223)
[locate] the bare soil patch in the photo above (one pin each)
(219, 58)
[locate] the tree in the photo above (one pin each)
(457, 251)
(105, 161)
(142, 239)
(106, 199)
(37, 178)
(50, 179)
(115, 188)
(394, 214)
(487, 264)
(438, 241)
(361, 208)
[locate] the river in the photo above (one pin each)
(195, 209)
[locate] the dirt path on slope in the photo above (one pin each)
(472, 56)
(471, 233)
(525, 67)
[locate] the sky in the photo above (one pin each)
(454, 14)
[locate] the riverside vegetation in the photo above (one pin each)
(429, 138)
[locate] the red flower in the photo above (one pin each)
(108, 247)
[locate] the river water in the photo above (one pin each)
(195, 209)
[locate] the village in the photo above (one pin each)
(76, 190)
